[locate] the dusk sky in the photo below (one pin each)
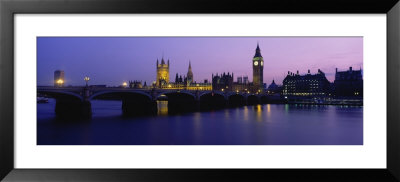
(113, 60)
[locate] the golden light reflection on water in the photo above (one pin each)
(258, 109)
(245, 113)
(268, 110)
(227, 114)
(197, 127)
(197, 122)
(162, 108)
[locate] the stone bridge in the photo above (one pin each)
(75, 101)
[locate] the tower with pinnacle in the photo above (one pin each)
(162, 73)
(189, 74)
(258, 68)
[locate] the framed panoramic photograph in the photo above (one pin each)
(199, 91)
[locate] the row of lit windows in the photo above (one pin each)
(291, 84)
(303, 94)
(302, 81)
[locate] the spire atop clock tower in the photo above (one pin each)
(258, 51)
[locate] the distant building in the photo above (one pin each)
(222, 82)
(162, 74)
(241, 87)
(306, 85)
(240, 80)
(246, 80)
(273, 88)
(348, 83)
(135, 84)
(59, 78)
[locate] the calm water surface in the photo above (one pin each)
(249, 125)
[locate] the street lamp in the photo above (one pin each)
(60, 82)
(86, 80)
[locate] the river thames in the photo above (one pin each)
(268, 124)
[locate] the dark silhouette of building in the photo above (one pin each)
(258, 68)
(348, 83)
(59, 78)
(273, 88)
(135, 84)
(306, 85)
(246, 80)
(180, 79)
(222, 82)
(239, 80)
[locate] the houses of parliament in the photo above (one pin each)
(219, 82)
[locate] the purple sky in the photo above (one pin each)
(113, 60)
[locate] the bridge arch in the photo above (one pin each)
(61, 94)
(134, 103)
(69, 104)
(253, 99)
(180, 101)
(176, 92)
(93, 96)
(235, 100)
(212, 100)
(215, 92)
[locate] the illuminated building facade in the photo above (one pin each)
(59, 78)
(306, 85)
(241, 87)
(348, 83)
(185, 82)
(162, 74)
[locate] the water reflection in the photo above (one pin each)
(162, 108)
(286, 108)
(227, 114)
(287, 125)
(258, 109)
(268, 110)
(245, 113)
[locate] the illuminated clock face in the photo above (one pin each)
(262, 63)
(255, 63)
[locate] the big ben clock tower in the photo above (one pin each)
(258, 67)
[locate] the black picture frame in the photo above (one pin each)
(8, 8)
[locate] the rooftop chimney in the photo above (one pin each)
(308, 71)
(351, 68)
